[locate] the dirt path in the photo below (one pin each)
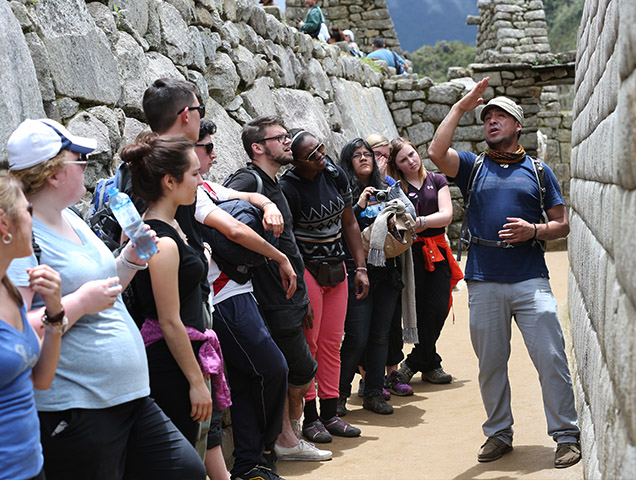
(436, 433)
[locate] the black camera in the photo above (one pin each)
(381, 195)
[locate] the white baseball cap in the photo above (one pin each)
(507, 106)
(349, 33)
(36, 141)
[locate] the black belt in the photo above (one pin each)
(497, 243)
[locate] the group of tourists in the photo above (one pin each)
(117, 397)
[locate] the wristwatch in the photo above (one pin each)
(58, 322)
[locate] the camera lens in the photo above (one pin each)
(381, 196)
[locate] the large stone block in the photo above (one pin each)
(133, 70)
(421, 133)
(315, 80)
(364, 110)
(222, 78)
(20, 96)
(228, 145)
(65, 26)
(445, 93)
(135, 11)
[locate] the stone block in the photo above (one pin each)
(77, 76)
(510, 33)
(402, 117)
(435, 112)
(534, 15)
(469, 133)
(445, 93)
(421, 133)
(408, 95)
(222, 79)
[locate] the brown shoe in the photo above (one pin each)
(493, 449)
(567, 454)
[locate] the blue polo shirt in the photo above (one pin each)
(499, 193)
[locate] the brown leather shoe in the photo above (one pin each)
(493, 449)
(567, 454)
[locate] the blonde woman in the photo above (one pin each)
(436, 271)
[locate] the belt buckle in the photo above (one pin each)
(506, 244)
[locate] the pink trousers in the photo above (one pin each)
(330, 310)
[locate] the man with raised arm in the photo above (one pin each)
(506, 271)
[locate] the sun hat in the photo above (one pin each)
(506, 105)
(36, 141)
(349, 33)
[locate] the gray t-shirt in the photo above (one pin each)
(103, 360)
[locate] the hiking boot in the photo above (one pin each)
(373, 401)
(341, 408)
(567, 454)
(316, 432)
(493, 449)
(385, 393)
(437, 376)
(340, 428)
(303, 452)
(397, 385)
(406, 373)
(259, 473)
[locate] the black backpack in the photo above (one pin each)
(233, 259)
(399, 67)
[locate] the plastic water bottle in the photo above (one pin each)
(372, 211)
(131, 223)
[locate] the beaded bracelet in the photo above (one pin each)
(132, 266)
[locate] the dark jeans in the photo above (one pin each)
(257, 375)
(134, 440)
(432, 294)
(367, 325)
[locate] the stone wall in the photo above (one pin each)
(602, 277)
(367, 19)
(88, 64)
(512, 31)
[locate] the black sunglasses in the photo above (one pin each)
(209, 147)
(281, 138)
(199, 108)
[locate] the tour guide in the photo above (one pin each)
(506, 271)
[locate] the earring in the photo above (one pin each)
(7, 238)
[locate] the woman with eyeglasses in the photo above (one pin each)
(368, 320)
(436, 271)
(97, 420)
(320, 201)
(393, 384)
(26, 360)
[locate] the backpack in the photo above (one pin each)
(465, 237)
(233, 259)
(399, 67)
(257, 178)
(101, 218)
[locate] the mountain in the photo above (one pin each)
(425, 22)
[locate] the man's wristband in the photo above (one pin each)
(361, 269)
(264, 204)
(535, 231)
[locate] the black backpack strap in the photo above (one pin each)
(257, 178)
(464, 233)
(539, 172)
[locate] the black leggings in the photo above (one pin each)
(171, 389)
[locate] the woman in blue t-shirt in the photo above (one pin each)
(320, 202)
(25, 362)
(436, 271)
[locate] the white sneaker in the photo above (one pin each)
(304, 451)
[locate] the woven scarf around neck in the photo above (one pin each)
(506, 157)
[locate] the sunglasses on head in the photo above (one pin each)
(209, 147)
(199, 108)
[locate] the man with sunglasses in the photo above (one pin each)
(268, 144)
(256, 368)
